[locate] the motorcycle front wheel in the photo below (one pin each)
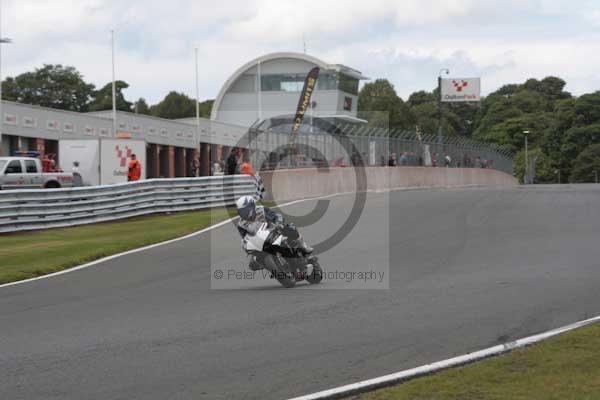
(316, 276)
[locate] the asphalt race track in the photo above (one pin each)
(467, 269)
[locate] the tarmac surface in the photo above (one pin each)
(423, 276)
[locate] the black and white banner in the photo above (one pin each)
(309, 86)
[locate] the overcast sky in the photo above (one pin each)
(405, 41)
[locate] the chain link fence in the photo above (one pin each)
(352, 144)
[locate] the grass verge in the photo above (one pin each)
(32, 254)
(564, 367)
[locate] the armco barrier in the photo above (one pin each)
(304, 183)
(22, 210)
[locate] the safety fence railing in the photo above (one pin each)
(32, 209)
(367, 146)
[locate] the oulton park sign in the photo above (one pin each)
(461, 89)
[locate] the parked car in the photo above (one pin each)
(27, 173)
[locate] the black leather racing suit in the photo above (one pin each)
(264, 214)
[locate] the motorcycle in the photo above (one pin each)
(278, 249)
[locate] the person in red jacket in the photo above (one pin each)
(134, 172)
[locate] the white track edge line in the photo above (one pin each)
(151, 246)
(388, 380)
(140, 249)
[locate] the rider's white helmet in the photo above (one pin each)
(246, 208)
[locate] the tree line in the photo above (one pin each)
(564, 130)
(64, 88)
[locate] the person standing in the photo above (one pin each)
(232, 162)
(392, 162)
(217, 170)
(77, 179)
(403, 160)
(246, 167)
(194, 168)
(134, 172)
(447, 161)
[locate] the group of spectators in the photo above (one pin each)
(437, 160)
(238, 162)
(406, 159)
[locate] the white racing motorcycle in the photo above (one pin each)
(278, 249)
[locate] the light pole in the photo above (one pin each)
(526, 178)
(447, 71)
(197, 111)
(114, 85)
(2, 40)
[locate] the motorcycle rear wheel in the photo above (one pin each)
(284, 277)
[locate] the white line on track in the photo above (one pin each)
(391, 379)
(101, 260)
(140, 249)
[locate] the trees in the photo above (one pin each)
(141, 107)
(206, 108)
(379, 103)
(103, 98)
(550, 88)
(51, 86)
(586, 167)
(575, 141)
(175, 105)
(543, 108)
(544, 168)
(57, 86)
(561, 127)
(63, 87)
(421, 97)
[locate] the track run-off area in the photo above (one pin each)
(466, 269)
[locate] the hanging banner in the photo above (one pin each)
(461, 90)
(309, 86)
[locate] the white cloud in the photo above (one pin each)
(594, 16)
(414, 66)
(406, 41)
(277, 20)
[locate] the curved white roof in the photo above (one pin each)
(275, 56)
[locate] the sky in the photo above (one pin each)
(404, 41)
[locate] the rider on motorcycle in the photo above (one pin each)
(253, 216)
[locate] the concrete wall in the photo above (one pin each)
(296, 184)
